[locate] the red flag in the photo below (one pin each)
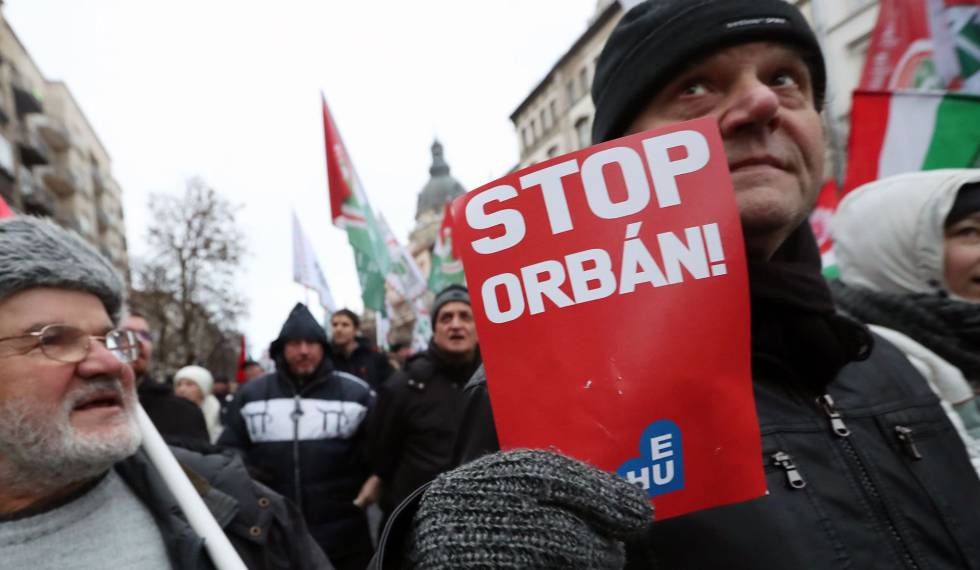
(338, 166)
(240, 377)
(446, 230)
(5, 211)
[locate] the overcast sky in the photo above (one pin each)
(229, 90)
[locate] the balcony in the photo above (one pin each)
(25, 101)
(61, 180)
(103, 183)
(33, 151)
(102, 221)
(52, 131)
(36, 198)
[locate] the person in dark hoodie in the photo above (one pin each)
(352, 353)
(302, 427)
(414, 427)
(863, 468)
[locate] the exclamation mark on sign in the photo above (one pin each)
(716, 255)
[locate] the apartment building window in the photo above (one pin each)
(526, 137)
(535, 128)
(553, 151)
(545, 119)
(553, 105)
(583, 76)
(572, 92)
(583, 132)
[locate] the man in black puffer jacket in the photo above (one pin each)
(863, 468)
(302, 428)
(414, 426)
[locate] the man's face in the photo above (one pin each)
(342, 330)
(455, 331)
(762, 96)
(962, 257)
(141, 328)
(61, 422)
(253, 371)
(302, 357)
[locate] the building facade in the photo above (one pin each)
(51, 160)
(556, 117)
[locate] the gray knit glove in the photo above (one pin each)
(526, 509)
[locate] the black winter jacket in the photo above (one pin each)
(365, 363)
(873, 477)
(414, 426)
(179, 421)
(266, 530)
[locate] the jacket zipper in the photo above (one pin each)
(296, 414)
(784, 461)
(905, 435)
(840, 429)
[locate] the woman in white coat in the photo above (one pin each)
(194, 383)
(908, 250)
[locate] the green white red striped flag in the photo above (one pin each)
(904, 131)
(447, 268)
(351, 211)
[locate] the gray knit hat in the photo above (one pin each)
(36, 252)
(526, 509)
(451, 293)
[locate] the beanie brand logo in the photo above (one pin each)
(770, 21)
(660, 467)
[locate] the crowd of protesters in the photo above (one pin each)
(292, 462)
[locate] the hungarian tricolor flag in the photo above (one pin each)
(5, 211)
(352, 212)
(820, 219)
(447, 269)
(904, 131)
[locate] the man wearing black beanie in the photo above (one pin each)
(863, 468)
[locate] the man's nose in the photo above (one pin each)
(99, 362)
(752, 105)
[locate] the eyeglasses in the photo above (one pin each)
(71, 345)
(145, 335)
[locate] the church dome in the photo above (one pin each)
(441, 187)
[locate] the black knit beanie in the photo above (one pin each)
(967, 202)
(658, 38)
(448, 295)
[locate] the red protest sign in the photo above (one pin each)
(611, 298)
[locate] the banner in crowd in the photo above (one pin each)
(242, 358)
(924, 44)
(306, 269)
(404, 275)
(446, 267)
(422, 331)
(820, 217)
(904, 131)
(351, 211)
(610, 292)
(5, 211)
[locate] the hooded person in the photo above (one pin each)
(77, 490)
(908, 249)
(885, 480)
(302, 426)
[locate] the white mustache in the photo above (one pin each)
(93, 387)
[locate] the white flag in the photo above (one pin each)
(306, 269)
(404, 274)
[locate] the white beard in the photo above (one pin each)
(40, 449)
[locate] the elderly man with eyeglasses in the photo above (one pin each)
(76, 489)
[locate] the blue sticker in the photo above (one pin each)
(660, 467)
